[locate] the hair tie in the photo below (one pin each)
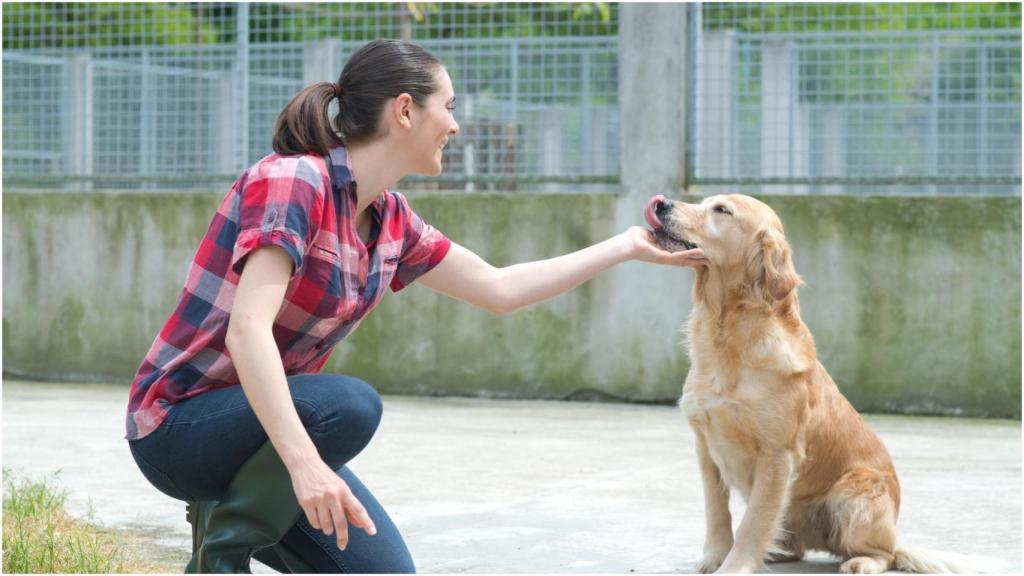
(337, 89)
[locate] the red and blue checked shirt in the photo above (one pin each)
(285, 201)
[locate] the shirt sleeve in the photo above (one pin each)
(423, 247)
(281, 205)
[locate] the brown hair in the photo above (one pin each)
(378, 71)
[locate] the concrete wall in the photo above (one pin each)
(915, 302)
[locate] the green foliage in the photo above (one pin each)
(69, 24)
(428, 20)
(891, 73)
(40, 537)
(858, 16)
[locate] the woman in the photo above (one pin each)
(295, 257)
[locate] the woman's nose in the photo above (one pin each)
(454, 128)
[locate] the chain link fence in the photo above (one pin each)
(805, 98)
(858, 98)
(163, 96)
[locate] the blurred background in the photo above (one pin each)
(886, 136)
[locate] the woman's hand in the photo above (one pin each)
(328, 501)
(643, 247)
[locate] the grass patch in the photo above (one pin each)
(39, 536)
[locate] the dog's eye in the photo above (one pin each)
(722, 210)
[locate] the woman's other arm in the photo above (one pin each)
(324, 497)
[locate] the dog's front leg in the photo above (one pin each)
(764, 513)
(717, 519)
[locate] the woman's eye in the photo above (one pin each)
(722, 210)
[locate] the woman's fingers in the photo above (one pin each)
(333, 512)
(695, 255)
(649, 250)
(311, 515)
(338, 522)
(325, 521)
(358, 515)
(691, 258)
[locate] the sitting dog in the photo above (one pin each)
(769, 421)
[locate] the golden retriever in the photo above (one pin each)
(769, 421)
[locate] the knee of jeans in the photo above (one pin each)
(345, 410)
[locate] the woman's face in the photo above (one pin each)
(435, 123)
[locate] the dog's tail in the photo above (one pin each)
(924, 561)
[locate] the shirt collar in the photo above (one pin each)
(344, 177)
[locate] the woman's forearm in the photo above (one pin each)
(261, 373)
(250, 340)
(468, 277)
(528, 283)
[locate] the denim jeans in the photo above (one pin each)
(196, 451)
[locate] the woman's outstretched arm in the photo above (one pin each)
(464, 275)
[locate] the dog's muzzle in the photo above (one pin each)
(657, 212)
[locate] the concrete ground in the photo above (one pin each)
(520, 486)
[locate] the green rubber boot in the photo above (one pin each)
(257, 510)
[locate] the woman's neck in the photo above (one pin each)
(375, 168)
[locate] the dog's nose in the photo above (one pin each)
(663, 207)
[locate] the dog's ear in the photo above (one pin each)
(770, 266)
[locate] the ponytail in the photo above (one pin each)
(303, 126)
(380, 70)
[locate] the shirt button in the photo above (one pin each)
(319, 346)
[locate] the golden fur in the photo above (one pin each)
(769, 421)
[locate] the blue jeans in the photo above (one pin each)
(197, 450)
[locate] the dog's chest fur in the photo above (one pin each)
(739, 410)
(717, 407)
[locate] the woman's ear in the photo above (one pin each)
(401, 108)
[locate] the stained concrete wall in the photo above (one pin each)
(914, 302)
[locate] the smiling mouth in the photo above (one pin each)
(665, 239)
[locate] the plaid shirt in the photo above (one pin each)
(285, 201)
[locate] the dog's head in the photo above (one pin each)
(740, 236)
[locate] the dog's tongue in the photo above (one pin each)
(649, 214)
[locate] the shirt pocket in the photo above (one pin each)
(388, 267)
(323, 293)
(324, 260)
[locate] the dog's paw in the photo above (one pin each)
(711, 562)
(863, 565)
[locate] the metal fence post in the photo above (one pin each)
(833, 149)
(586, 115)
(318, 63)
(78, 140)
(694, 43)
(982, 158)
(778, 113)
(932, 133)
(469, 149)
(514, 60)
(241, 133)
(551, 144)
(146, 131)
(715, 108)
(227, 120)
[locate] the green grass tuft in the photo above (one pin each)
(40, 537)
